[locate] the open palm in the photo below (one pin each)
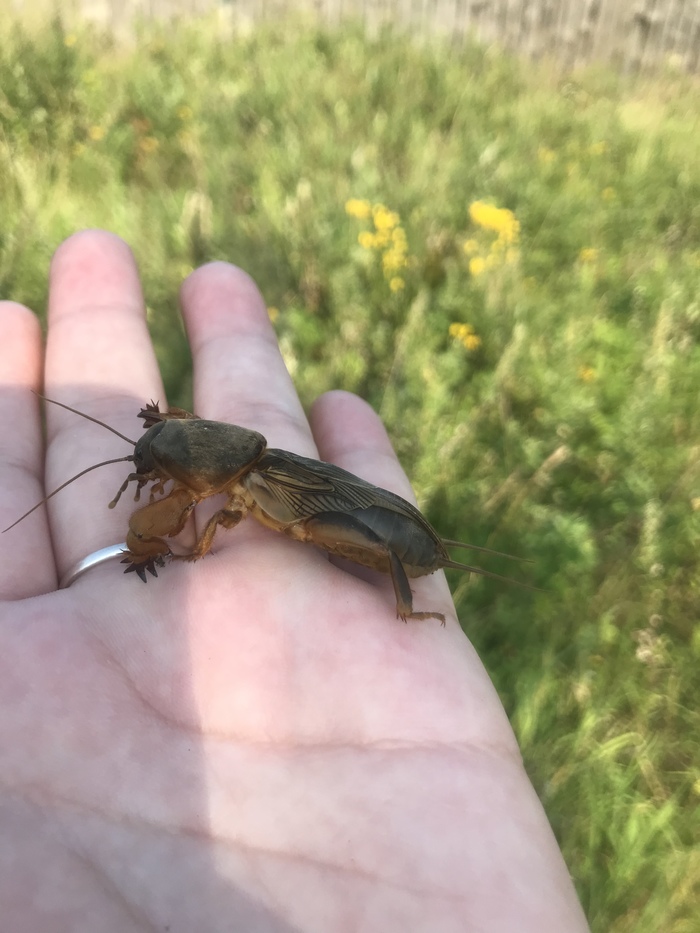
(253, 742)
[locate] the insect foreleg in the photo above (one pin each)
(154, 522)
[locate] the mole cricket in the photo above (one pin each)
(307, 500)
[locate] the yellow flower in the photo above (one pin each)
(388, 238)
(184, 113)
(393, 260)
(382, 238)
(480, 213)
(384, 219)
(464, 333)
(695, 504)
(510, 228)
(545, 155)
(96, 133)
(148, 144)
(588, 254)
(586, 374)
(273, 314)
(70, 40)
(476, 266)
(358, 208)
(499, 219)
(78, 149)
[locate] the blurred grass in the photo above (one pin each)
(504, 262)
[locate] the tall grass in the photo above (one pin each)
(507, 265)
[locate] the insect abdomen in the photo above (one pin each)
(417, 550)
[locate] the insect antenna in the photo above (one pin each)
(88, 418)
(485, 550)
(82, 414)
(67, 483)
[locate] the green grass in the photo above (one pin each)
(563, 423)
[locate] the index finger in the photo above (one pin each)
(26, 563)
(100, 360)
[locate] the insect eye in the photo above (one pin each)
(142, 460)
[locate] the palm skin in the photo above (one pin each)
(252, 742)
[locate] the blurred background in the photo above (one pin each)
(484, 218)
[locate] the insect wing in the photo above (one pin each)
(290, 487)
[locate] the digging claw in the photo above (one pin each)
(146, 565)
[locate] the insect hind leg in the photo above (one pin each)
(347, 536)
(404, 596)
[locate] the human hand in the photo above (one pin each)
(253, 742)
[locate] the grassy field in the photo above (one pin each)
(506, 264)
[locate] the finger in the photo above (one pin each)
(26, 556)
(349, 433)
(239, 373)
(99, 359)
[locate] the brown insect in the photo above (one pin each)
(308, 500)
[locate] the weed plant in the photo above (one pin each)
(506, 263)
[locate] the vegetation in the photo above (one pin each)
(506, 263)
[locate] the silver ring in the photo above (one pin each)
(92, 560)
